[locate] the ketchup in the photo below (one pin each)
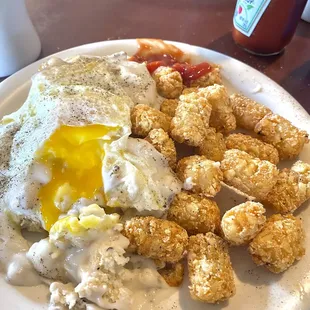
(192, 72)
(157, 53)
(276, 24)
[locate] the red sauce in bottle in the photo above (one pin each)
(275, 28)
(157, 53)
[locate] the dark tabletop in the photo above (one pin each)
(62, 24)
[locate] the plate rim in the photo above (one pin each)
(14, 78)
(22, 76)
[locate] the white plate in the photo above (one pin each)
(257, 289)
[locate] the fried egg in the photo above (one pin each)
(137, 176)
(74, 226)
(61, 145)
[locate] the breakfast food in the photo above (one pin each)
(86, 249)
(135, 175)
(213, 145)
(191, 119)
(248, 174)
(247, 112)
(156, 238)
(286, 138)
(210, 78)
(168, 106)
(291, 190)
(168, 82)
(99, 235)
(188, 90)
(200, 175)
(79, 153)
(173, 274)
(164, 145)
(252, 146)
(195, 213)
(243, 222)
(64, 119)
(303, 170)
(279, 244)
(145, 118)
(222, 117)
(115, 214)
(284, 197)
(210, 271)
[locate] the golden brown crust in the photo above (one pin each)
(188, 90)
(191, 119)
(164, 145)
(278, 131)
(200, 175)
(210, 271)
(283, 197)
(243, 222)
(247, 111)
(213, 146)
(169, 82)
(173, 274)
(291, 190)
(168, 106)
(250, 175)
(279, 244)
(213, 77)
(156, 238)
(145, 118)
(195, 213)
(222, 117)
(252, 146)
(303, 170)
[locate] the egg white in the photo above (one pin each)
(81, 92)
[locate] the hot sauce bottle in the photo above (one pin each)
(265, 27)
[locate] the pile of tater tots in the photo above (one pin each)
(193, 230)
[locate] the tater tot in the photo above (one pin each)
(188, 90)
(284, 196)
(243, 222)
(173, 274)
(200, 175)
(195, 213)
(222, 117)
(191, 119)
(168, 106)
(210, 272)
(213, 145)
(278, 131)
(303, 170)
(250, 175)
(213, 77)
(247, 111)
(156, 238)
(169, 82)
(252, 146)
(145, 118)
(279, 244)
(290, 191)
(164, 145)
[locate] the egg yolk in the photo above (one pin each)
(74, 156)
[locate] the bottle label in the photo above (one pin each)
(248, 13)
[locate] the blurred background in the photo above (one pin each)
(62, 24)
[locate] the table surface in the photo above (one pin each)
(62, 24)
